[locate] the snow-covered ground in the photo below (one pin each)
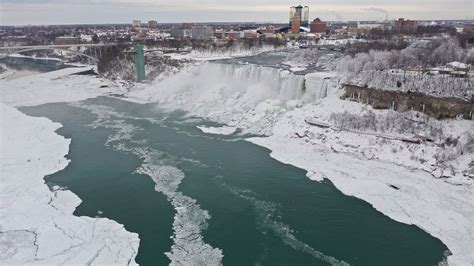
(37, 225)
(57, 86)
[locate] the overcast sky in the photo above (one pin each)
(21, 12)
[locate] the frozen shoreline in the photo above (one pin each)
(411, 197)
(401, 180)
(37, 225)
(364, 166)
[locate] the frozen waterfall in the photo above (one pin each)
(249, 83)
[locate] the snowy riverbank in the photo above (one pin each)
(408, 196)
(37, 225)
(366, 153)
(402, 180)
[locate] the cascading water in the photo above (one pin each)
(279, 84)
(250, 83)
(242, 95)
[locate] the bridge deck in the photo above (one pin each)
(55, 46)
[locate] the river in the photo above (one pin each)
(196, 198)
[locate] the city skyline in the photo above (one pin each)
(42, 12)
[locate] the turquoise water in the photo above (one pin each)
(261, 211)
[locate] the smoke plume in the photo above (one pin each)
(380, 10)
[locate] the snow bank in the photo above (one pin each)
(411, 197)
(397, 178)
(5, 71)
(37, 224)
(56, 86)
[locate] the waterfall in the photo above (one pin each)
(246, 84)
(281, 85)
(319, 85)
(241, 95)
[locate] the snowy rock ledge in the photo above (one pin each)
(37, 225)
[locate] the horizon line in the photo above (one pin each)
(225, 22)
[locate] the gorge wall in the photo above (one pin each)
(439, 108)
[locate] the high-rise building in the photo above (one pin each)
(292, 14)
(302, 13)
(405, 26)
(295, 24)
(202, 32)
(305, 17)
(152, 24)
(318, 26)
(179, 33)
(136, 23)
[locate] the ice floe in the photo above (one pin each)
(37, 225)
(224, 130)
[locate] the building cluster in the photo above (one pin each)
(205, 32)
(67, 40)
(299, 21)
(299, 26)
(454, 69)
(318, 26)
(63, 34)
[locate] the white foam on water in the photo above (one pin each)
(266, 211)
(188, 246)
(190, 220)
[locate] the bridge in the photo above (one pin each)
(94, 53)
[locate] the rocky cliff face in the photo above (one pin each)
(439, 108)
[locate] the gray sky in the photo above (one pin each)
(21, 12)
